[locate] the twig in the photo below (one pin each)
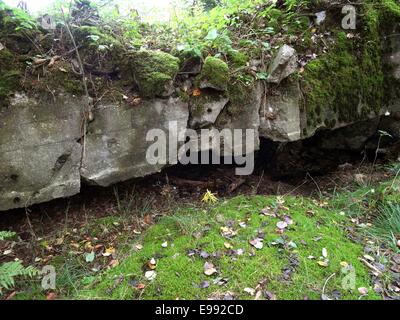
(319, 190)
(326, 282)
(259, 182)
(87, 114)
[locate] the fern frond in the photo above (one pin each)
(10, 270)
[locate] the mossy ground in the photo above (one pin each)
(346, 222)
(180, 274)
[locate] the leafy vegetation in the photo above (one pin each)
(10, 270)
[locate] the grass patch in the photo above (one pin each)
(387, 225)
(282, 268)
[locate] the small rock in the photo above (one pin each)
(283, 65)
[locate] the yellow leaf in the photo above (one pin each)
(209, 197)
(323, 263)
(228, 245)
(109, 252)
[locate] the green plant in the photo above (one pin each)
(387, 224)
(10, 270)
(6, 235)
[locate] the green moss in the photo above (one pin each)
(238, 58)
(183, 95)
(153, 70)
(350, 77)
(9, 76)
(215, 74)
(179, 274)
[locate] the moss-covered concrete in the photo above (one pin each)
(215, 74)
(9, 76)
(349, 80)
(153, 71)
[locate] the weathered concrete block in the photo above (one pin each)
(39, 155)
(115, 146)
(280, 114)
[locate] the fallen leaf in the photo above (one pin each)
(113, 263)
(109, 251)
(324, 252)
(250, 291)
(396, 258)
(242, 224)
(363, 291)
(292, 245)
(369, 258)
(150, 275)
(204, 255)
(148, 219)
(204, 284)
(7, 252)
(282, 225)
(209, 269)
(196, 93)
(220, 281)
(138, 247)
(269, 212)
(270, 295)
(75, 245)
(288, 220)
(51, 296)
(257, 243)
(152, 264)
(323, 263)
(227, 232)
(228, 245)
(258, 295)
(11, 295)
(140, 286)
